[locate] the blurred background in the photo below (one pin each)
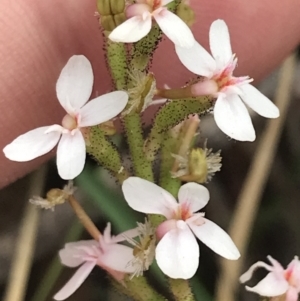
(275, 232)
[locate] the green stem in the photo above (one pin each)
(181, 290)
(166, 181)
(170, 115)
(142, 51)
(116, 55)
(138, 289)
(105, 153)
(134, 132)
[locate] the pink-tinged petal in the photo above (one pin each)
(248, 275)
(233, 119)
(195, 195)
(132, 30)
(219, 42)
(144, 196)
(292, 294)
(75, 253)
(258, 102)
(103, 108)
(293, 273)
(74, 283)
(31, 145)
(270, 286)
(196, 59)
(137, 9)
(177, 254)
(277, 267)
(215, 238)
(165, 227)
(70, 155)
(75, 83)
(174, 28)
(117, 257)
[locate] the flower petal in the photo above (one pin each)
(270, 286)
(31, 145)
(292, 294)
(70, 155)
(258, 102)
(196, 195)
(216, 239)
(117, 257)
(219, 42)
(132, 30)
(196, 59)
(177, 254)
(233, 119)
(248, 275)
(144, 196)
(75, 83)
(174, 28)
(103, 108)
(73, 284)
(75, 253)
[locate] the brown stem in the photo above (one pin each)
(175, 93)
(84, 218)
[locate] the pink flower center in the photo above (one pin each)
(290, 277)
(224, 79)
(183, 212)
(69, 122)
(142, 6)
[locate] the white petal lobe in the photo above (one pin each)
(270, 286)
(219, 41)
(103, 108)
(132, 30)
(75, 83)
(196, 195)
(74, 283)
(147, 197)
(216, 239)
(233, 119)
(174, 28)
(70, 155)
(258, 102)
(31, 145)
(177, 254)
(196, 59)
(74, 253)
(118, 257)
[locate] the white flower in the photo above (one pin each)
(278, 281)
(177, 253)
(73, 88)
(230, 113)
(106, 253)
(139, 23)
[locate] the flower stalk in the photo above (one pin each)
(134, 132)
(166, 181)
(84, 218)
(179, 93)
